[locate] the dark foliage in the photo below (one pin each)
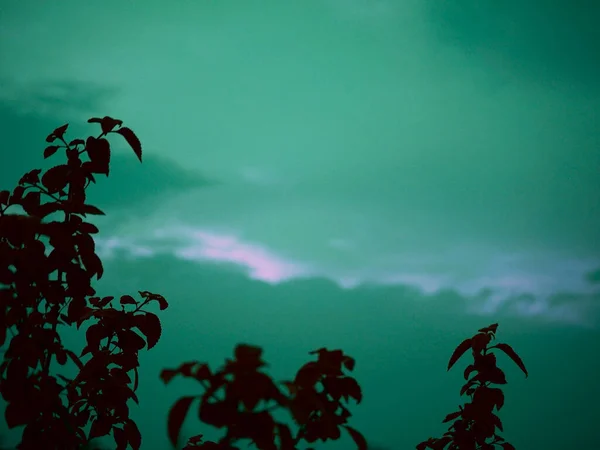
(475, 424)
(46, 270)
(240, 398)
(47, 263)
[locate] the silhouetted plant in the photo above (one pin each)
(238, 398)
(475, 424)
(55, 409)
(248, 397)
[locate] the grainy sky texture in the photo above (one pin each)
(377, 157)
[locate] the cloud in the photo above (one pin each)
(541, 40)
(154, 181)
(525, 293)
(390, 330)
(30, 111)
(62, 99)
(261, 264)
(194, 244)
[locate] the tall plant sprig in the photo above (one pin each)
(475, 425)
(46, 271)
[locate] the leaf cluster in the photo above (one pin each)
(47, 264)
(475, 425)
(240, 398)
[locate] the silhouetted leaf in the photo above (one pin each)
(120, 438)
(459, 351)
(467, 385)
(497, 422)
(349, 363)
(507, 446)
(132, 140)
(127, 300)
(248, 356)
(94, 334)
(133, 434)
(61, 357)
(89, 228)
(58, 133)
(149, 325)
(56, 178)
(452, 416)
(285, 436)
(106, 123)
(470, 368)
(329, 361)
(100, 427)
(4, 195)
(498, 397)
(176, 417)
(202, 372)
(91, 209)
(149, 296)
(50, 150)
(99, 152)
(31, 202)
(308, 375)
(76, 142)
(512, 355)
(350, 387)
(480, 341)
(489, 329)
(17, 195)
(89, 176)
(166, 375)
(130, 341)
(357, 437)
(74, 358)
(494, 375)
(31, 177)
(136, 378)
(91, 261)
(187, 369)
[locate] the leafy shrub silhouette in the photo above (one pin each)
(474, 426)
(239, 397)
(56, 409)
(314, 399)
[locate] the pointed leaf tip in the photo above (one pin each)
(177, 416)
(50, 150)
(357, 437)
(132, 140)
(512, 355)
(149, 325)
(459, 351)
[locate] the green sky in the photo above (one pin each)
(315, 146)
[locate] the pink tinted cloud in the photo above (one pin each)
(501, 287)
(261, 264)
